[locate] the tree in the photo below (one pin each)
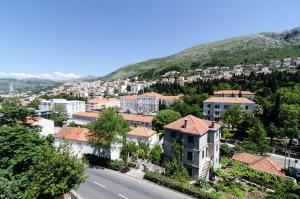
(256, 140)
(227, 134)
(286, 189)
(290, 120)
(175, 168)
(155, 154)
(108, 129)
(59, 114)
(163, 118)
(34, 104)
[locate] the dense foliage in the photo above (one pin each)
(163, 118)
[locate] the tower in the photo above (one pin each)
(11, 89)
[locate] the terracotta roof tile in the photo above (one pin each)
(151, 94)
(194, 125)
(141, 131)
(87, 114)
(101, 100)
(236, 92)
(138, 118)
(166, 98)
(129, 97)
(73, 134)
(260, 163)
(230, 100)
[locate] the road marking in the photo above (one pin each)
(101, 185)
(122, 196)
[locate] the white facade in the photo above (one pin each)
(152, 141)
(69, 106)
(101, 103)
(47, 126)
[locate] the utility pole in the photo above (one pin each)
(286, 141)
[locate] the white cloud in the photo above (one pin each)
(54, 76)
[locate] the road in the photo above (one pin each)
(281, 158)
(108, 184)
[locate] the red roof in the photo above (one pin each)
(129, 97)
(137, 118)
(237, 100)
(151, 94)
(261, 163)
(141, 131)
(101, 100)
(168, 98)
(73, 134)
(87, 114)
(235, 92)
(194, 125)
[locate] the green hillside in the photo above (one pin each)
(259, 47)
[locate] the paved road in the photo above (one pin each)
(108, 184)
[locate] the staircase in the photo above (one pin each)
(205, 170)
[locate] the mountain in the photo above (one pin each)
(24, 85)
(248, 49)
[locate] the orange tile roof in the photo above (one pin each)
(101, 100)
(261, 163)
(236, 92)
(138, 118)
(87, 114)
(195, 125)
(151, 94)
(229, 100)
(129, 97)
(142, 132)
(73, 134)
(31, 120)
(166, 98)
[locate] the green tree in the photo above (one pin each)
(290, 119)
(155, 154)
(108, 129)
(34, 103)
(227, 134)
(59, 114)
(287, 190)
(163, 118)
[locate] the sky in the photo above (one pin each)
(63, 39)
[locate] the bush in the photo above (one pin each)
(226, 150)
(201, 183)
(155, 154)
(178, 186)
(96, 160)
(117, 165)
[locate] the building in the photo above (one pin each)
(145, 103)
(214, 106)
(138, 120)
(47, 126)
(233, 93)
(97, 104)
(144, 135)
(70, 107)
(261, 163)
(201, 142)
(84, 118)
(78, 138)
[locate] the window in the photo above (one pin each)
(173, 135)
(226, 106)
(217, 113)
(217, 147)
(202, 154)
(190, 139)
(208, 105)
(246, 107)
(189, 155)
(217, 106)
(208, 112)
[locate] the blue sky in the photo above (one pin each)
(70, 38)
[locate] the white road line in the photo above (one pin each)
(122, 196)
(101, 185)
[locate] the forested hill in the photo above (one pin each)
(248, 49)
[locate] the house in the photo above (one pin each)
(214, 106)
(145, 103)
(138, 120)
(84, 118)
(47, 126)
(261, 163)
(201, 144)
(97, 104)
(144, 135)
(70, 107)
(234, 93)
(78, 138)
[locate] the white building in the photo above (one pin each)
(145, 103)
(69, 106)
(144, 135)
(78, 138)
(102, 103)
(214, 106)
(47, 126)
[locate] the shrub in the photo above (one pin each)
(201, 183)
(117, 165)
(155, 154)
(96, 160)
(178, 186)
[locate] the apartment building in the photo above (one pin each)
(70, 107)
(214, 106)
(145, 103)
(97, 104)
(234, 93)
(201, 144)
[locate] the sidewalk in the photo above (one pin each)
(136, 173)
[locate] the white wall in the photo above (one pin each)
(152, 141)
(47, 126)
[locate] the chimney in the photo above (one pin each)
(212, 125)
(185, 123)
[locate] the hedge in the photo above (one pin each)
(104, 162)
(178, 186)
